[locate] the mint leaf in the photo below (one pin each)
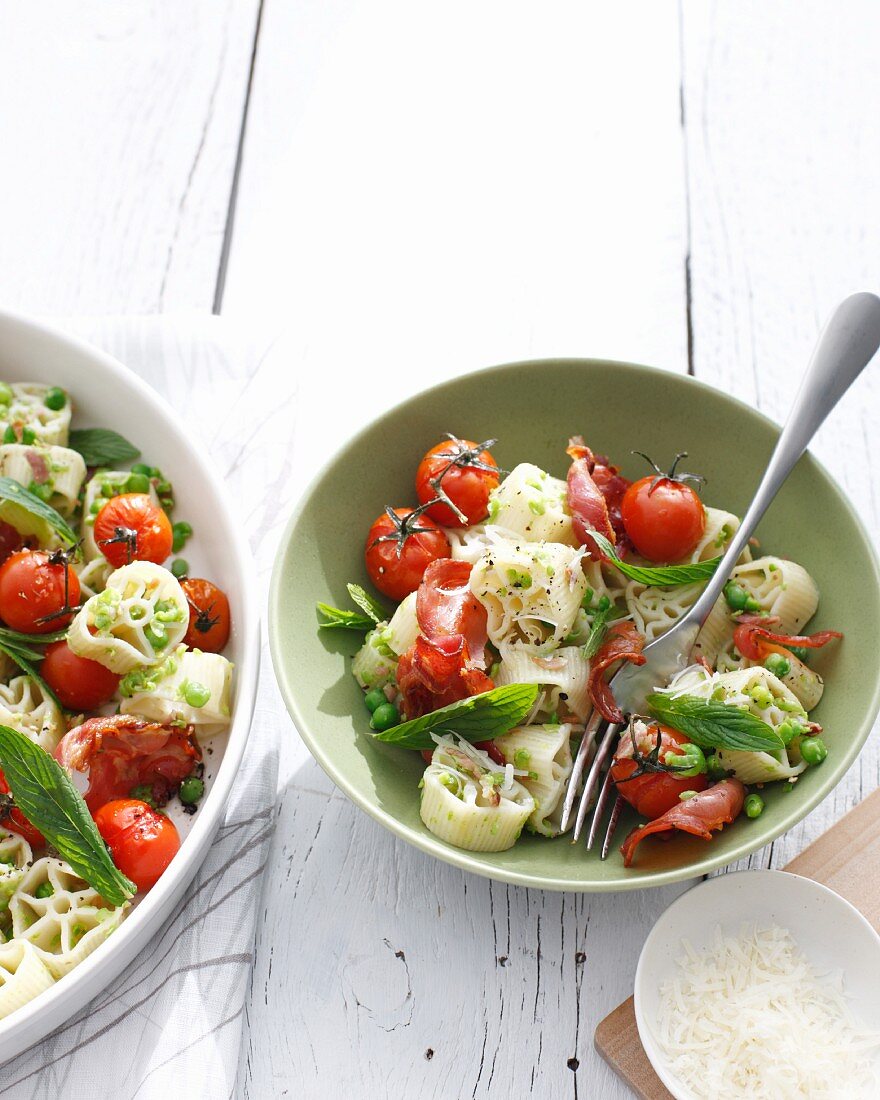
(43, 792)
(714, 725)
(346, 620)
(366, 602)
(598, 630)
(658, 576)
(29, 515)
(479, 718)
(102, 447)
(26, 658)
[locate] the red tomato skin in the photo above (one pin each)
(138, 513)
(141, 840)
(207, 603)
(653, 793)
(79, 683)
(32, 588)
(16, 822)
(666, 524)
(397, 576)
(466, 486)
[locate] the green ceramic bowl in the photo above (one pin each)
(532, 408)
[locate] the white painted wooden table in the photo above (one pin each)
(377, 194)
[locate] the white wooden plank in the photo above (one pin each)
(781, 153)
(121, 124)
(426, 190)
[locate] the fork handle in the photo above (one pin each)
(846, 346)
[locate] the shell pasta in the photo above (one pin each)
(536, 585)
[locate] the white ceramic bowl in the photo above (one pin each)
(831, 933)
(105, 393)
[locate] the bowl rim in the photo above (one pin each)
(62, 998)
(778, 880)
(426, 841)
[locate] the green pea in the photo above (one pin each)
(6, 394)
(55, 398)
(196, 694)
(384, 717)
(140, 468)
(9, 435)
(28, 436)
(685, 795)
(137, 483)
(154, 471)
(801, 652)
(95, 507)
(738, 598)
(43, 491)
(777, 664)
(156, 636)
(690, 761)
(754, 805)
(180, 568)
(604, 604)
(9, 860)
(191, 790)
(813, 750)
(374, 699)
(108, 490)
(143, 793)
(790, 729)
(44, 890)
(180, 533)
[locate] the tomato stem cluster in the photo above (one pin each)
(126, 535)
(650, 762)
(464, 456)
(671, 475)
(404, 526)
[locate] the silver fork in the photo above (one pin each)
(845, 347)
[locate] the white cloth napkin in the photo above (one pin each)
(170, 1025)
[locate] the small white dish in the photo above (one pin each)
(830, 932)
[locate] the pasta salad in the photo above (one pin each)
(112, 678)
(518, 593)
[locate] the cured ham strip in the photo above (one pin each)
(699, 815)
(595, 493)
(622, 643)
(121, 751)
(755, 641)
(446, 607)
(435, 672)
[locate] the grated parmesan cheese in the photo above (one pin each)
(749, 1016)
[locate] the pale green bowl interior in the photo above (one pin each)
(533, 408)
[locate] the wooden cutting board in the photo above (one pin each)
(846, 858)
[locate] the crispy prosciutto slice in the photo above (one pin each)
(622, 642)
(755, 641)
(436, 672)
(121, 751)
(595, 493)
(699, 815)
(446, 606)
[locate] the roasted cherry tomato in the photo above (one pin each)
(34, 587)
(79, 683)
(208, 615)
(652, 792)
(463, 471)
(141, 840)
(16, 822)
(130, 528)
(664, 518)
(398, 551)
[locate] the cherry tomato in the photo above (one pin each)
(141, 840)
(32, 592)
(79, 683)
(208, 615)
(665, 523)
(420, 542)
(460, 466)
(10, 540)
(16, 822)
(653, 792)
(130, 528)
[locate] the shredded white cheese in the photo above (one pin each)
(749, 1016)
